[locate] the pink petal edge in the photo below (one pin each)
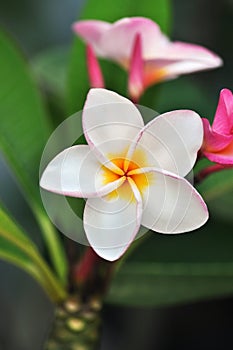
(223, 120)
(224, 157)
(214, 141)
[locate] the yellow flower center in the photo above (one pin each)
(128, 169)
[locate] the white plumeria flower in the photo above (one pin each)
(131, 174)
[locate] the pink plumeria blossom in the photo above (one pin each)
(161, 58)
(218, 139)
(131, 174)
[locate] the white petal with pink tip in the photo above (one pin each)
(76, 172)
(171, 141)
(171, 204)
(110, 123)
(112, 222)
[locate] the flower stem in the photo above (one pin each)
(204, 173)
(86, 267)
(91, 275)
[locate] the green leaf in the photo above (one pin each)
(158, 11)
(115, 77)
(10, 253)
(184, 93)
(50, 70)
(18, 249)
(23, 134)
(169, 269)
(24, 124)
(151, 284)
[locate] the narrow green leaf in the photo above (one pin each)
(115, 77)
(11, 254)
(24, 130)
(150, 284)
(17, 248)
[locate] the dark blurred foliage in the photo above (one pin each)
(209, 23)
(25, 312)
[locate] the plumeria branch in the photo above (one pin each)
(204, 173)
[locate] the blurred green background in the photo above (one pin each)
(25, 312)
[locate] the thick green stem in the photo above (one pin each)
(76, 326)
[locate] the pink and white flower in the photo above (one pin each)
(131, 174)
(218, 139)
(140, 47)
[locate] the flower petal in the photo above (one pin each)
(136, 81)
(223, 120)
(110, 123)
(158, 70)
(76, 172)
(94, 70)
(117, 43)
(213, 141)
(170, 141)
(155, 71)
(188, 52)
(91, 32)
(178, 58)
(224, 156)
(111, 223)
(171, 204)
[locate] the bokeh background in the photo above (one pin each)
(25, 312)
